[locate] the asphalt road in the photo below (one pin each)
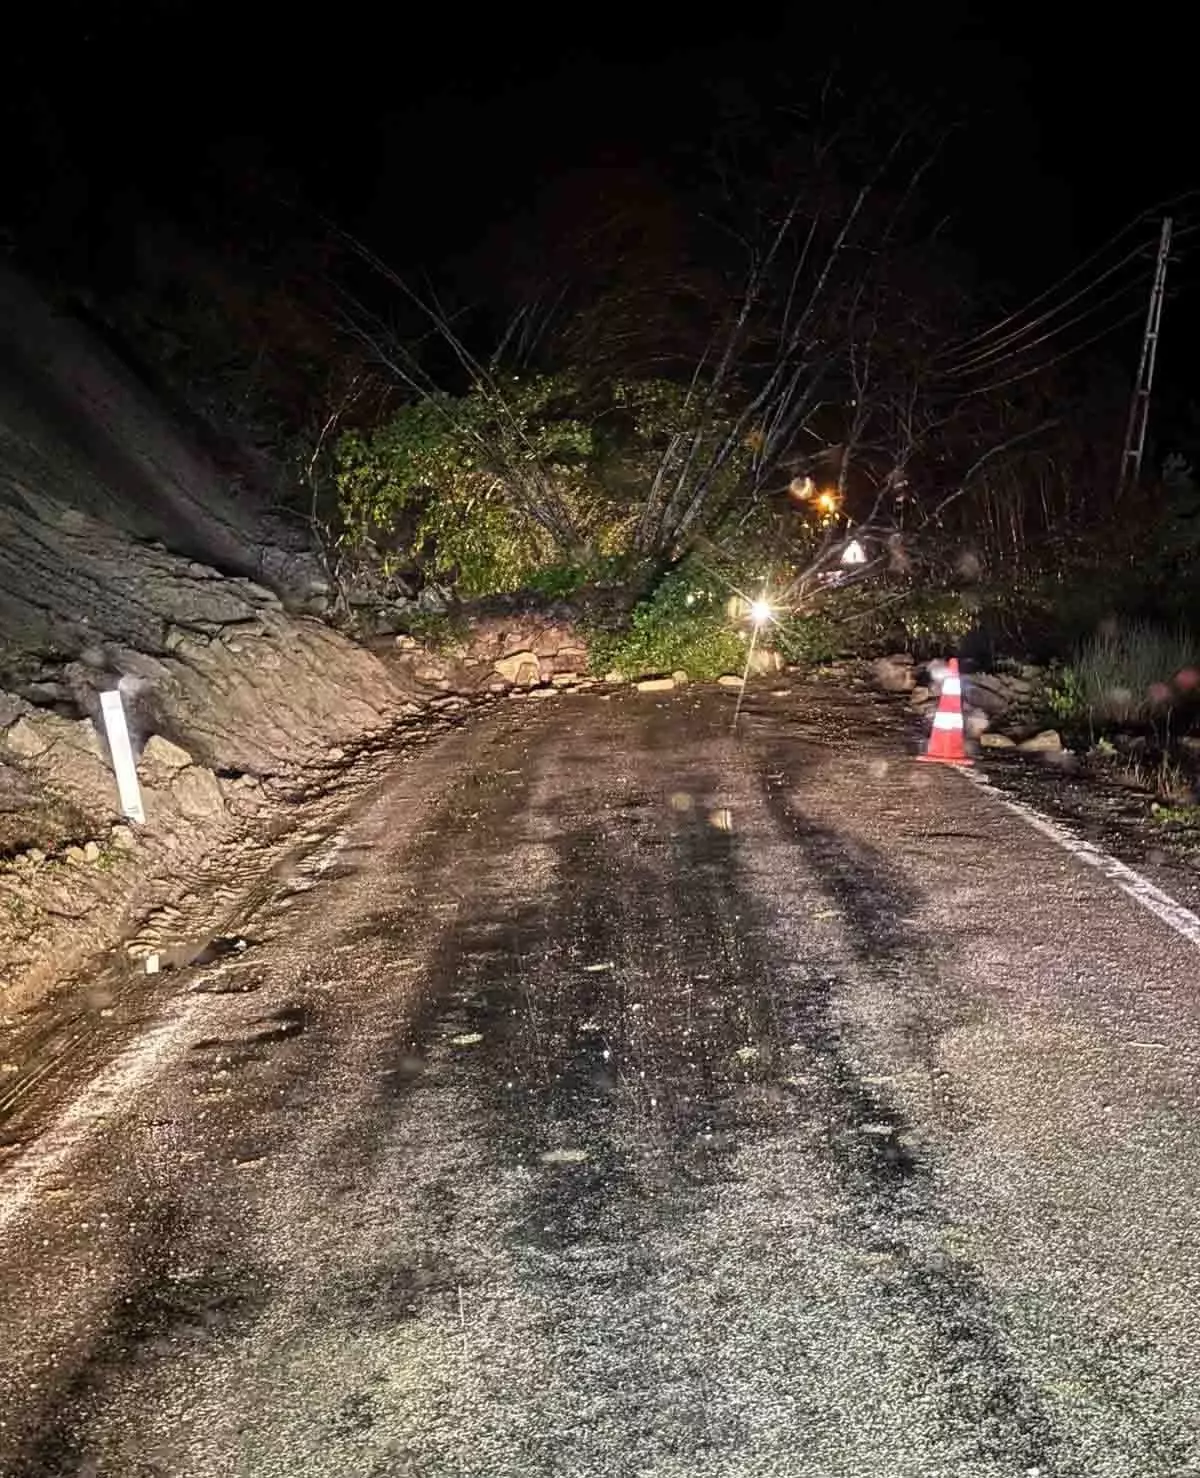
(614, 1096)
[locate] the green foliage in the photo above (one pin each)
(486, 488)
(815, 638)
(1185, 816)
(559, 581)
(1064, 695)
(682, 626)
(440, 632)
(1124, 674)
(936, 618)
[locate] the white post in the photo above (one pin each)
(122, 755)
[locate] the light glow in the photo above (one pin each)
(760, 611)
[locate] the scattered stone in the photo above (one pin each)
(1049, 741)
(198, 794)
(920, 696)
(615, 676)
(23, 740)
(521, 668)
(992, 699)
(74, 855)
(992, 740)
(160, 755)
(895, 674)
(35, 855)
(122, 836)
(680, 678)
(565, 679)
(467, 1039)
(547, 692)
(407, 643)
(91, 851)
(729, 680)
(656, 685)
(564, 1157)
(763, 660)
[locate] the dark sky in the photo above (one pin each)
(417, 134)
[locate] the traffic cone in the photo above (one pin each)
(946, 741)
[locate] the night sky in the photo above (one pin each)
(419, 136)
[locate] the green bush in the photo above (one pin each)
(682, 626)
(815, 638)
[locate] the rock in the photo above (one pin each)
(730, 680)
(24, 741)
(992, 740)
(895, 674)
(920, 696)
(197, 793)
(656, 685)
(615, 676)
(91, 851)
(1049, 741)
(989, 697)
(546, 692)
(162, 758)
(763, 660)
(74, 855)
(680, 678)
(565, 679)
(122, 836)
(520, 668)
(975, 722)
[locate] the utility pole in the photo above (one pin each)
(1139, 409)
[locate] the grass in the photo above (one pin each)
(1134, 673)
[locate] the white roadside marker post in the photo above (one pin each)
(122, 755)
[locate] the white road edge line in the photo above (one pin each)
(1130, 882)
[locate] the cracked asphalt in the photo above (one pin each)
(615, 1095)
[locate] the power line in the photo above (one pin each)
(1140, 219)
(981, 357)
(1037, 369)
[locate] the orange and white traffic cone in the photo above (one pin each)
(946, 741)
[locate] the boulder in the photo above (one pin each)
(656, 685)
(162, 758)
(1049, 741)
(990, 695)
(520, 668)
(764, 660)
(197, 793)
(992, 740)
(895, 674)
(24, 740)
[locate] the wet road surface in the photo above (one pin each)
(615, 1096)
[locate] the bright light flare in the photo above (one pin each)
(760, 611)
(827, 502)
